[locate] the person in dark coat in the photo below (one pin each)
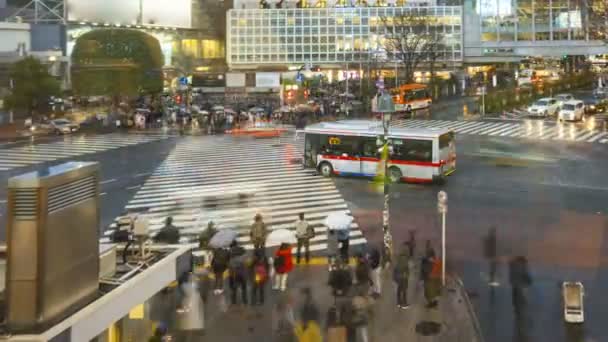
(340, 279)
(362, 274)
(260, 272)
(237, 272)
(375, 264)
(219, 265)
(401, 274)
(168, 234)
(489, 248)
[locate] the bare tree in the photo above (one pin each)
(411, 40)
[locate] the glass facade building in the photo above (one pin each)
(329, 35)
(532, 20)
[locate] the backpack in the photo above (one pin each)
(279, 261)
(260, 273)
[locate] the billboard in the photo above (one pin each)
(268, 79)
(129, 12)
(234, 79)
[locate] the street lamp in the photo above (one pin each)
(442, 207)
(386, 106)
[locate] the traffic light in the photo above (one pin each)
(178, 99)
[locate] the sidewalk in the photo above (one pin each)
(453, 315)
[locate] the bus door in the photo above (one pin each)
(370, 157)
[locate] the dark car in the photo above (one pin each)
(595, 104)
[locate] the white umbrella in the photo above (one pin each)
(217, 108)
(230, 111)
(338, 221)
(279, 236)
(257, 109)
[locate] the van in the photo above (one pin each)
(572, 111)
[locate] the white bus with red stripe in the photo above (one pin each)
(350, 148)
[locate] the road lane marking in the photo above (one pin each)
(108, 181)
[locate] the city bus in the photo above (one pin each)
(410, 97)
(350, 148)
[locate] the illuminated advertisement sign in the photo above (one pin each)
(132, 12)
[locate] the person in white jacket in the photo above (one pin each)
(304, 232)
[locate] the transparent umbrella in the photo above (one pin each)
(223, 238)
(279, 236)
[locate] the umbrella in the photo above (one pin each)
(279, 236)
(223, 238)
(256, 109)
(338, 221)
(217, 108)
(229, 111)
(285, 109)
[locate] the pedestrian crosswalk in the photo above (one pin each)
(70, 146)
(538, 130)
(229, 180)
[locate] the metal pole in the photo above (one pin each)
(443, 248)
(483, 101)
(388, 238)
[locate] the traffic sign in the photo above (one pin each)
(442, 202)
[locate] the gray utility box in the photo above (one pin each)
(52, 244)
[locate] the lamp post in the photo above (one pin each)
(386, 106)
(442, 207)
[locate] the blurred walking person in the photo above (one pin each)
(168, 234)
(490, 253)
(304, 232)
(283, 264)
(237, 273)
(520, 279)
(432, 286)
(401, 274)
(260, 270)
(219, 265)
(258, 232)
(308, 327)
(375, 265)
(411, 243)
(332, 248)
(343, 239)
(362, 275)
(283, 322)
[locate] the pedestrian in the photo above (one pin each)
(489, 248)
(362, 274)
(361, 312)
(283, 319)
(375, 265)
(283, 264)
(192, 315)
(219, 265)
(340, 278)
(159, 334)
(260, 270)
(307, 328)
(411, 243)
(432, 287)
(304, 232)
(237, 273)
(401, 274)
(258, 232)
(168, 234)
(425, 263)
(343, 239)
(520, 279)
(332, 248)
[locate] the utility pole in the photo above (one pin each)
(386, 106)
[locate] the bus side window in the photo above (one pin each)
(369, 148)
(414, 150)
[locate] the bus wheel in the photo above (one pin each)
(394, 175)
(326, 170)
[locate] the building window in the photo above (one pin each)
(488, 12)
(525, 29)
(560, 19)
(542, 21)
(507, 19)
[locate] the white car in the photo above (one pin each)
(563, 98)
(63, 126)
(544, 107)
(572, 111)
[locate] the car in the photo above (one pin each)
(572, 111)
(601, 92)
(563, 98)
(544, 107)
(63, 126)
(594, 104)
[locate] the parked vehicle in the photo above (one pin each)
(572, 111)
(563, 98)
(544, 107)
(573, 294)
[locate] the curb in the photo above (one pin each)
(470, 309)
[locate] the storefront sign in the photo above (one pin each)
(334, 141)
